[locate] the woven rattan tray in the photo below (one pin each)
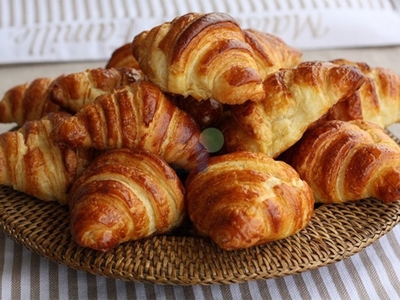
(335, 232)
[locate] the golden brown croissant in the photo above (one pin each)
(244, 199)
(33, 164)
(71, 92)
(347, 161)
(296, 98)
(377, 100)
(134, 116)
(201, 55)
(75, 90)
(27, 102)
(122, 196)
(122, 58)
(271, 52)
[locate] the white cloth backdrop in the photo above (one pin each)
(65, 30)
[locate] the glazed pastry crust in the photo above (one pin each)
(296, 98)
(347, 161)
(200, 55)
(74, 91)
(122, 196)
(27, 102)
(135, 116)
(31, 163)
(377, 100)
(244, 199)
(68, 92)
(270, 52)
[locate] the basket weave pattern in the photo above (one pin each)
(335, 232)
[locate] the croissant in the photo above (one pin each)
(122, 196)
(243, 199)
(122, 58)
(71, 92)
(346, 161)
(377, 100)
(296, 98)
(201, 55)
(26, 102)
(75, 90)
(270, 52)
(139, 115)
(33, 164)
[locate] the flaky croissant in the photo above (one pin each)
(70, 92)
(346, 161)
(124, 195)
(244, 199)
(201, 55)
(26, 102)
(122, 58)
(296, 97)
(75, 90)
(135, 116)
(33, 164)
(377, 100)
(270, 52)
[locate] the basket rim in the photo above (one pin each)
(334, 233)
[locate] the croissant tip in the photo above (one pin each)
(101, 239)
(388, 185)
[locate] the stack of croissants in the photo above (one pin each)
(122, 145)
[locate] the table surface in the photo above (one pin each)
(369, 274)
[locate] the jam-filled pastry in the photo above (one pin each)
(243, 199)
(136, 116)
(200, 55)
(347, 161)
(296, 97)
(124, 195)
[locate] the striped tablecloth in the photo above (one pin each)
(373, 273)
